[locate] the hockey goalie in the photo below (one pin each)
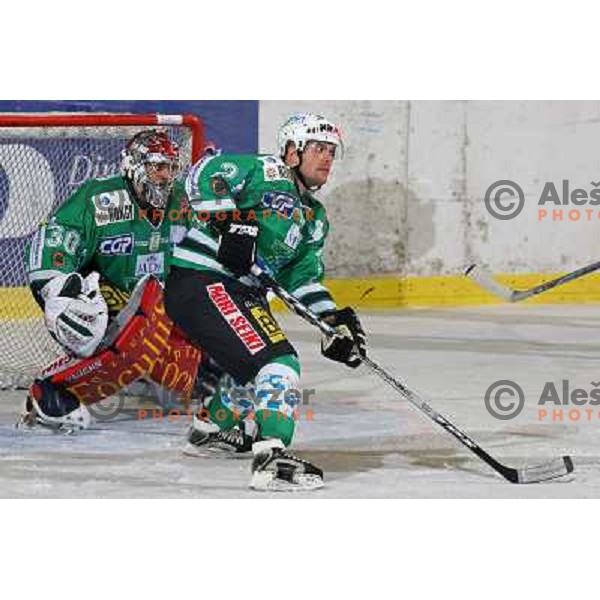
(97, 268)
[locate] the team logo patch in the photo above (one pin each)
(280, 202)
(115, 245)
(235, 318)
(227, 170)
(113, 207)
(268, 324)
(154, 241)
(150, 264)
(293, 237)
(274, 169)
(58, 259)
(219, 187)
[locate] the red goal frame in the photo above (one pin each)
(191, 121)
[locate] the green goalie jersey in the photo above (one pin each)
(258, 190)
(101, 228)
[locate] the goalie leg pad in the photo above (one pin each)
(176, 368)
(144, 340)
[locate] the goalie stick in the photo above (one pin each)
(485, 280)
(551, 470)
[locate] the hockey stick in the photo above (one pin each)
(551, 470)
(484, 279)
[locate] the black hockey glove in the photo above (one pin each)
(350, 343)
(237, 248)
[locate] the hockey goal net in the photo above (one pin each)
(43, 160)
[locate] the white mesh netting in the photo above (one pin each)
(39, 169)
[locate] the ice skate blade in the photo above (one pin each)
(266, 481)
(214, 451)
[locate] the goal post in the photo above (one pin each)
(44, 159)
(102, 122)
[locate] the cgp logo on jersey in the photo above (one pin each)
(150, 264)
(115, 245)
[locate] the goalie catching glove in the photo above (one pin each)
(350, 343)
(75, 311)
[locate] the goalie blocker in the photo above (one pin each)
(141, 342)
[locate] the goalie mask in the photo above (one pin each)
(302, 128)
(151, 162)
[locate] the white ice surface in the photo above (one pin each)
(369, 442)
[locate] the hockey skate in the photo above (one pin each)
(206, 439)
(276, 470)
(49, 408)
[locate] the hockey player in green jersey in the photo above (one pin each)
(259, 209)
(85, 262)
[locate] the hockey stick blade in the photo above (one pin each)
(550, 470)
(485, 280)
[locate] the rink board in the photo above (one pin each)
(391, 292)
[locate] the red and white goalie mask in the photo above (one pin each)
(151, 162)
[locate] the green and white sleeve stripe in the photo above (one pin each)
(198, 249)
(316, 297)
(212, 206)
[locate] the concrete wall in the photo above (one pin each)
(408, 196)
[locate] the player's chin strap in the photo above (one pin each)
(551, 470)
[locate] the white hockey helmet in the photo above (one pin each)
(301, 128)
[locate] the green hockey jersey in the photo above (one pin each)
(102, 228)
(258, 190)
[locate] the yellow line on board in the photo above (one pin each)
(389, 292)
(452, 290)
